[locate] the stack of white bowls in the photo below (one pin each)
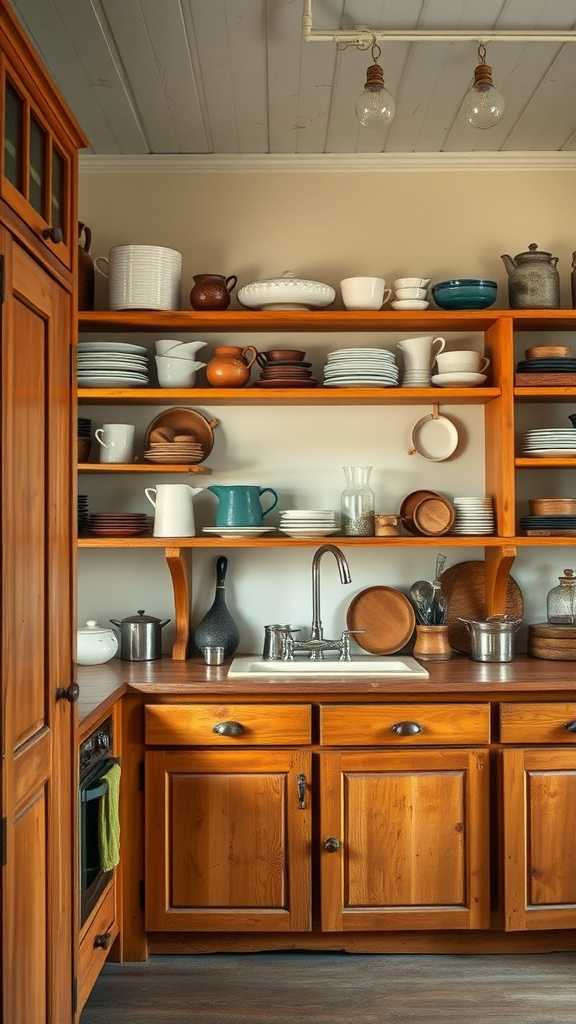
(176, 363)
(411, 293)
(361, 368)
(474, 516)
(302, 522)
(142, 276)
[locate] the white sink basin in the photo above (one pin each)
(249, 666)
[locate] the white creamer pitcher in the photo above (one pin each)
(419, 353)
(173, 509)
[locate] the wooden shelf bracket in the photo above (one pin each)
(177, 564)
(498, 562)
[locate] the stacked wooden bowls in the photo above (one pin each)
(427, 513)
(552, 642)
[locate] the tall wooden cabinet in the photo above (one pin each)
(37, 198)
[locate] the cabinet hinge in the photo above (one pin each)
(3, 842)
(141, 775)
(74, 994)
(2, 279)
(142, 889)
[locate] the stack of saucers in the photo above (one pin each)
(82, 512)
(123, 524)
(474, 516)
(549, 442)
(302, 522)
(183, 450)
(112, 364)
(361, 368)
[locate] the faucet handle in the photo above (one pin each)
(345, 642)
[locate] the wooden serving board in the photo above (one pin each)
(386, 618)
(464, 586)
(545, 380)
(551, 630)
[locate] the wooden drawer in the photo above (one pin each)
(537, 723)
(187, 725)
(374, 724)
(96, 942)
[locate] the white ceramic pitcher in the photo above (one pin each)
(173, 509)
(419, 353)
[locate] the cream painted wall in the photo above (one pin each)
(327, 225)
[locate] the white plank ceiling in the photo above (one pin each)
(233, 76)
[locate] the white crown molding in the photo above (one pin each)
(154, 163)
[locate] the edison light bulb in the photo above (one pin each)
(375, 106)
(483, 105)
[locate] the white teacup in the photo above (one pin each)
(364, 292)
(419, 353)
(180, 349)
(176, 373)
(411, 293)
(116, 442)
(462, 362)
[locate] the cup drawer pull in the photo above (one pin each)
(228, 729)
(407, 728)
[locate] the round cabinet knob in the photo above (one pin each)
(570, 726)
(228, 729)
(406, 728)
(332, 845)
(69, 693)
(102, 941)
(53, 234)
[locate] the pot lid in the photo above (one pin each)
(288, 277)
(534, 253)
(142, 618)
(494, 623)
(92, 627)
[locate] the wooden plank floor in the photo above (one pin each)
(327, 988)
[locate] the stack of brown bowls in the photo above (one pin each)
(284, 368)
(427, 513)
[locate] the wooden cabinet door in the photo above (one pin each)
(404, 840)
(539, 799)
(37, 553)
(227, 840)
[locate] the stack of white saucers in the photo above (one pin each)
(361, 368)
(474, 516)
(237, 531)
(304, 522)
(416, 379)
(112, 364)
(550, 442)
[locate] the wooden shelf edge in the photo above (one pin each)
(312, 542)
(289, 396)
(547, 463)
(561, 394)
(139, 467)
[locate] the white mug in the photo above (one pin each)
(173, 509)
(364, 292)
(419, 353)
(462, 362)
(116, 442)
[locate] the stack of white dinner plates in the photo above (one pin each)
(306, 522)
(474, 516)
(361, 368)
(112, 364)
(550, 441)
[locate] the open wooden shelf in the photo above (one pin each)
(314, 542)
(139, 467)
(545, 394)
(288, 396)
(556, 462)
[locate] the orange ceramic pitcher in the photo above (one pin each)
(229, 367)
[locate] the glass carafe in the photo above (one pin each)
(357, 502)
(561, 601)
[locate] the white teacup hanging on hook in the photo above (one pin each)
(434, 437)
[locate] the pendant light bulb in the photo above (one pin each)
(375, 106)
(483, 105)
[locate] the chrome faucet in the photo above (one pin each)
(317, 645)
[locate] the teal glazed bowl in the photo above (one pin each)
(465, 293)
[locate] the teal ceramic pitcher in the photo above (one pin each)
(240, 506)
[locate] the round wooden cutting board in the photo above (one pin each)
(464, 586)
(385, 615)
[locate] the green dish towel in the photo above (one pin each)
(109, 821)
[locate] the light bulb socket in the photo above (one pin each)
(374, 78)
(483, 76)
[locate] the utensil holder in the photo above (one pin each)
(432, 643)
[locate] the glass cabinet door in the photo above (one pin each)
(13, 137)
(37, 167)
(58, 192)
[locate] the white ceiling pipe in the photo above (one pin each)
(364, 36)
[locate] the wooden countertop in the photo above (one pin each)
(102, 685)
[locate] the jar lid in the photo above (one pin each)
(568, 577)
(92, 627)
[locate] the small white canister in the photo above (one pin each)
(95, 644)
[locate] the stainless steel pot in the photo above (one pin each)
(492, 639)
(140, 636)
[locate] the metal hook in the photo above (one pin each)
(482, 53)
(435, 411)
(375, 50)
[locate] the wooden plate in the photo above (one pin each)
(464, 586)
(552, 630)
(409, 504)
(548, 351)
(182, 421)
(434, 516)
(387, 617)
(552, 506)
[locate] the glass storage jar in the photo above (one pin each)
(357, 502)
(561, 601)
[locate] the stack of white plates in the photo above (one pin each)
(305, 522)
(112, 364)
(143, 277)
(361, 368)
(474, 516)
(553, 441)
(237, 531)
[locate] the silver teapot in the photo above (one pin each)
(533, 279)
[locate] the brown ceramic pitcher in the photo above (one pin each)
(229, 367)
(212, 291)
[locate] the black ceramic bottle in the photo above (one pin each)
(217, 628)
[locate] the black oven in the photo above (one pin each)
(95, 761)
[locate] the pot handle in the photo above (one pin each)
(149, 491)
(106, 262)
(115, 622)
(269, 490)
(231, 282)
(467, 622)
(160, 624)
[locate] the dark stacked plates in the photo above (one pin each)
(82, 512)
(559, 365)
(84, 438)
(285, 373)
(122, 524)
(84, 427)
(556, 525)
